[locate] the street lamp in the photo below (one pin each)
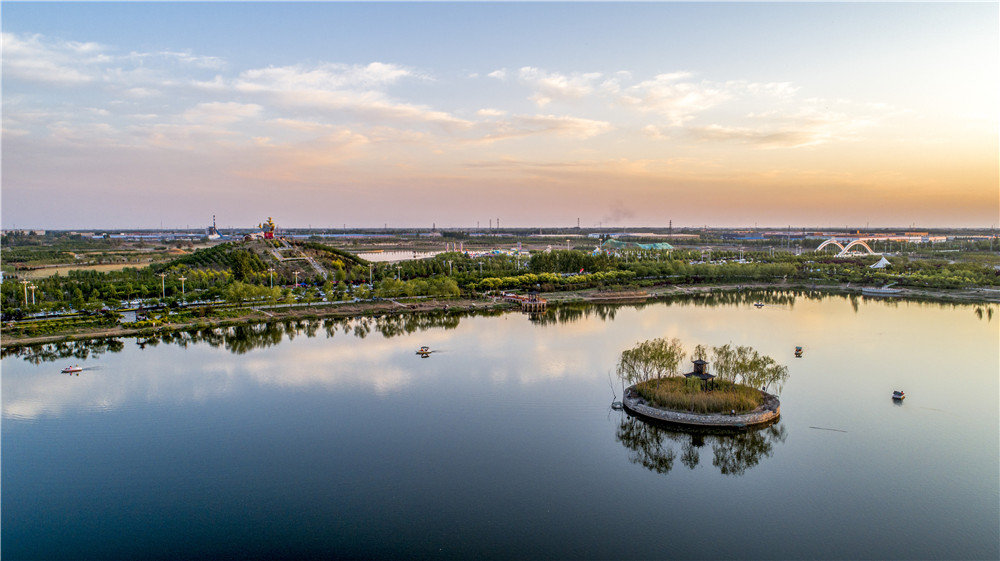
(32, 287)
(25, 283)
(270, 275)
(397, 272)
(370, 273)
(183, 294)
(296, 273)
(163, 285)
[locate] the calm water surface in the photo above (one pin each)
(335, 439)
(395, 256)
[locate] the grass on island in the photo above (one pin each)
(684, 394)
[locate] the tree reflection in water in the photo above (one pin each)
(244, 338)
(37, 354)
(576, 311)
(733, 453)
(241, 339)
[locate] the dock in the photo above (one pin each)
(531, 303)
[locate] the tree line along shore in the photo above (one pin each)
(561, 304)
(255, 280)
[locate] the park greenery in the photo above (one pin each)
(256, 272)
(653, 368)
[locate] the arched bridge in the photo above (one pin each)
(846, 249)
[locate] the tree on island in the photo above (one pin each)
(661, 358)
(649, 360)
(744, 365)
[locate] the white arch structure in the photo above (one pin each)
(844, 250)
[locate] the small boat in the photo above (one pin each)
(424, 350)
(898, 394)
(881, 291)
(798, 352)
(72, 369)
(758, 304)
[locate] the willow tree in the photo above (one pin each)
(648, 360)
(744, 365)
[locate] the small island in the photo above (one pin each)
(727, 400)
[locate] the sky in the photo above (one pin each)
(137, 115)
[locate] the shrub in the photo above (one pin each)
(687, 395)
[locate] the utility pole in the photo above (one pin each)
(270, 275)
(163, 285)
(32, 287)
(296, 273)
(370, 273)
(25, 283)
(183, 293)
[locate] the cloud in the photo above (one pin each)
(488, 112)
(36, 59)
(551, 86)
(222, 112)
(142, 92)
(185, 58)
(678, 101)
(328, 77)
(771, 138)
(808, 124)
(304, 162)
(338, 87)
(529, 125)
(500, 74)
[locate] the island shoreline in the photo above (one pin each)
(767, 413)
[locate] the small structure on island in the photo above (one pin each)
(701, 372)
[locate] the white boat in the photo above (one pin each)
(759, 304)
(898, 394)
(881, 291)
(72, 369)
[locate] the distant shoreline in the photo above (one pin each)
(623, 296)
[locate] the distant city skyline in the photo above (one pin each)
(127, 115)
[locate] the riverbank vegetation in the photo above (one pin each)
(180, 274)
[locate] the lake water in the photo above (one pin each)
(336, 439)
(396, 256)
